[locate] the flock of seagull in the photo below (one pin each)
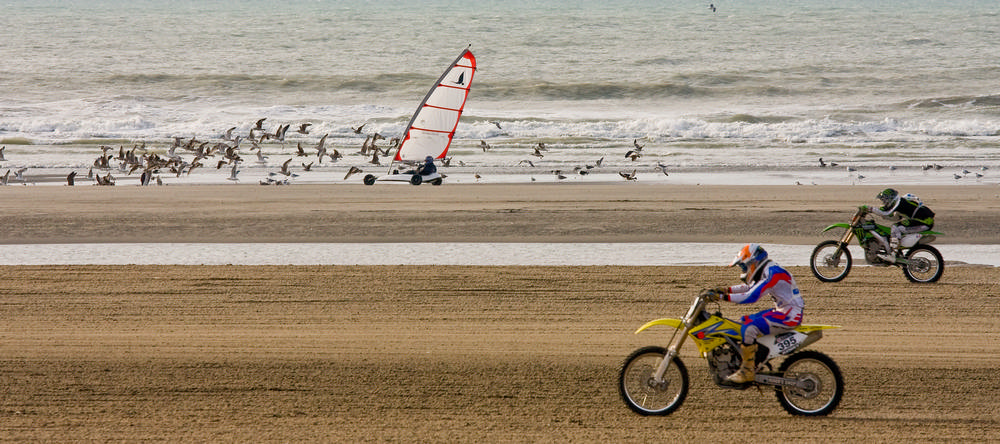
(188, 154)
(963, 174)
(230, 151)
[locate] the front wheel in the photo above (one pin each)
(824, 385)
(924, 264)
(830, 261)
(640, 390)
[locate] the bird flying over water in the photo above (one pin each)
(354, 170)
(627, 176)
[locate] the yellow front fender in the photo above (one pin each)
(809, 328)
(675, 323)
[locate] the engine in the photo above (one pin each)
(872, 249)
(723, 361)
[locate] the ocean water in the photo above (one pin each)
(754, 92)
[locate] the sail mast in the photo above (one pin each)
(462, 83)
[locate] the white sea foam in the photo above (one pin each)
(758, 89)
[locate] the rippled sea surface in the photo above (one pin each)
(761, 90)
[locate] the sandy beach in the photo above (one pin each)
(602, 212)
(462, 353)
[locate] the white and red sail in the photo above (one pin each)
(432, 127)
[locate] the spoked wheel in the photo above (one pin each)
(924, 264)
(824, 385)
(830, 261)
(642, 393)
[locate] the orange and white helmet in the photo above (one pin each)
(749, 258)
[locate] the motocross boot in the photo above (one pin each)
(747, 371)
(890, 256)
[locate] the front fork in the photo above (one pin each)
(677, 340)
(846, 240)
(672, 351)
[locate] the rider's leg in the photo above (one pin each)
(898, 232)
(754, 326)
(895, 234)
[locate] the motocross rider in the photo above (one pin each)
(914, 217)
(761, 276)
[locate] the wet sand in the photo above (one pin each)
(603, 212)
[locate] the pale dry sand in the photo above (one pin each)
(605, 212)
(462, 354)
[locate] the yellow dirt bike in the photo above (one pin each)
(654, 381)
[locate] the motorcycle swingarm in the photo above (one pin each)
(778, 381)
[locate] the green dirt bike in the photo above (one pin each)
(654, 381)
(831, 260)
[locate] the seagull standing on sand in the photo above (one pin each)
(234, 172)
(70, 177)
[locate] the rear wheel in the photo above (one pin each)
(642, 393)
(369, 179)
(824, 385)
(830, 261)
(416, 179)
(924, 264)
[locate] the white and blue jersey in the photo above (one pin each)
(778, 283)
